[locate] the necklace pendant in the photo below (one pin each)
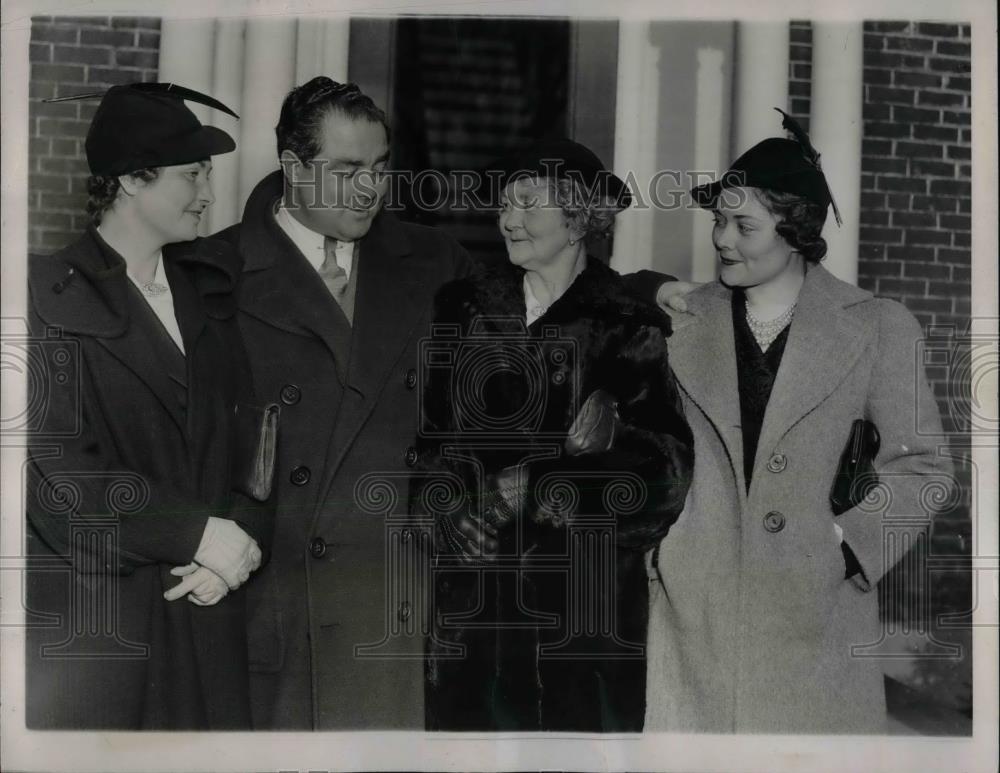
(153, 289)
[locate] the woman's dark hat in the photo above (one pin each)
(778, 164)
(568, 159)
(142, 125)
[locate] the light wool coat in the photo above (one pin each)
(752, 622)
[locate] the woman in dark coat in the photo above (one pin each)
(145, 515)
(551, 416)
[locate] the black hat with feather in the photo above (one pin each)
(141, 125)
(777, 164)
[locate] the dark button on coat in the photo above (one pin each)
(319, 627)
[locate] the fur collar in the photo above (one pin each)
(598, 292)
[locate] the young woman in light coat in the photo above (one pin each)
(761, 598)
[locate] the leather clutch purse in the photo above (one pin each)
(856, 473)
(595, 426)
(255, 449)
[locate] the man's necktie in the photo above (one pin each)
(335, 278)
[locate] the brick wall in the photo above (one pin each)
(916, 173)
(915, 247)
(74, 55)
(915, 211)
(800, 71)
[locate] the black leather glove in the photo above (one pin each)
(596, 425)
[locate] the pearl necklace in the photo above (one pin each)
(765, 332)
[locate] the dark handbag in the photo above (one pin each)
(255, 449)
(856, 474)
(595, 426)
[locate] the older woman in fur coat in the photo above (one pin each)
(551, 413)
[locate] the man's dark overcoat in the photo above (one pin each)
(131, 451)
(336, 641)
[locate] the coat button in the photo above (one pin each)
(777, 463)
(300, 476)
(774, 521)
(290, 394)
(410, 457)
(317, 547)
(410, 379)
(404, 611)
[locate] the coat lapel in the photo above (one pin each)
(703, 357)
(139, 349)
(98, 300)
(389, 302)
(280, 287)
(824, 342)
(392, 296)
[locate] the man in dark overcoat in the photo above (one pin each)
(336, 295)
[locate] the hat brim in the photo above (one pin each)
(799, 183)
(198, 145)
(546, 161)
(205, 142)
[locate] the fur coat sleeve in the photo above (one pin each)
(613, 342)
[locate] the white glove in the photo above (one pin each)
(202, 586)
(228, 551)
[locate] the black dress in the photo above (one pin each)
(550, 636)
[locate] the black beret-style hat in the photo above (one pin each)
(567, 159)
(142, 125)
(777, 164)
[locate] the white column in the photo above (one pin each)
(322, 49)
(269, 74)
(835, 130)
(227, 87)
(761, 75)
(708, 144)
(207, 55)
(186, 52)
(636, 129)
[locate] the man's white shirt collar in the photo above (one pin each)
(312, 244)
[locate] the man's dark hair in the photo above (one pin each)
(800, 222)
(306, 106)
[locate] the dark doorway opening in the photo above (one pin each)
(467, 92)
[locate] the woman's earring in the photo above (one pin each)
(572, 242)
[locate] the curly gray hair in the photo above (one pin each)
(588, 211)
